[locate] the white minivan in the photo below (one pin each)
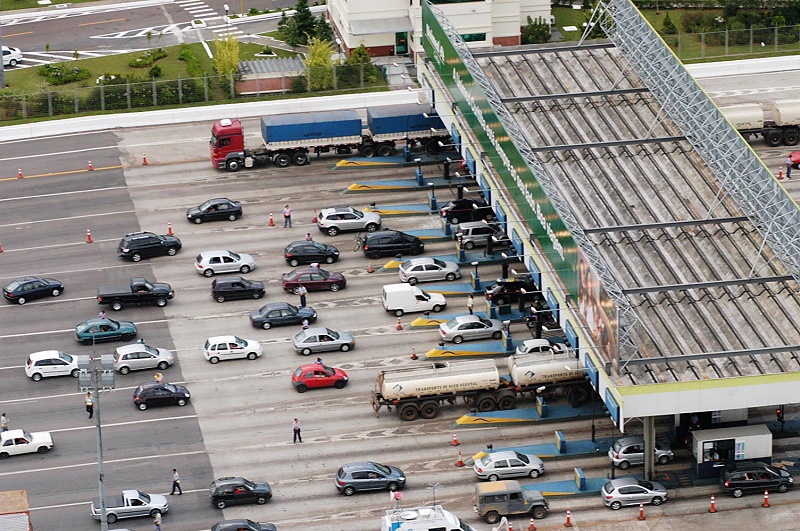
(403, 298)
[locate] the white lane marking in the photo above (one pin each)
(84, 216)
(47, 301)
(28, 334)
(21, 157)
(57, 194)
(71, 271)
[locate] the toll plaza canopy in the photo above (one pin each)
(693, 242)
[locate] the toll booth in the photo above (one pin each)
(713, 449)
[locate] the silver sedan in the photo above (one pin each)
(210, 263)
(322, 339)
(140, 356)
(468, 327)
(428, 269)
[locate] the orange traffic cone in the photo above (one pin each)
(532, 527)
(169, 228)
(569, 519)
(510, 526)
(414, 354)
(314, 219)
(370, 269)
(88, 236)
(766, 500)
(455, 439)
(460, 460)
(399, 324)
(271, 221)
(713, 505)
(19, 173)
(780, 173)
(144, 159)
(91, 168)
(641, 512)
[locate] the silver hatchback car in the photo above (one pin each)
(468, 327)
(629, 451)
(428, 269)
(632, 491)
(210, 263)
(139, 356)
(320, 339)
(508, 464)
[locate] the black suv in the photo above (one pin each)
(160, 394)
(305, 252)
(232, 490)
(224, 289)
(755, 477)
(138, 245)
(462, 210)
(391, 242)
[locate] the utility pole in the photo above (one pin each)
(2, 67)
(97, 379)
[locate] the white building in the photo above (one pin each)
(392, 27)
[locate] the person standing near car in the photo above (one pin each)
(296, 431)
(157, 521)
(89, 404)
(4, 422)
(302, 291)
(470, 303)
(287, 217)
(789, 167)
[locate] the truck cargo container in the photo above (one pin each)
(749, 119)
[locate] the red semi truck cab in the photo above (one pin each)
(227, 136)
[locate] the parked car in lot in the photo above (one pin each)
(138, 245)
(210, 263)
(508, 464)
(230, 288)
(154, 394)
(469, 327)
(242, 524)
(103, 329)
(741, 478)
(390, 243)
(321, 339)
(139, 356)
(309, 252)
(462, 210)
(334, 220)
(632, 491)
(222, 348)
(49, 363)
(11, 56)
(505, 498)
(317, 376)
(232, 490)
(368, 475)
(217, 209)
(428, 269)
(314, 279)
(26, 289)
(18, 442)
(280, 314)
(629, 451)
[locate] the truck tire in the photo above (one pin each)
(486, 403)
(507, 402)
(233, 165)
(429, 410)
(492, 517)
(791, 137)
(111, 518)
(282, 160)
(116, 305)
(773, 137)
(367, 151)
(408, 412)
(539, 512)
(385, 150)
(300, 158)
(577, 396)
(161, 302)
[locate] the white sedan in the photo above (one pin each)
(16, 442)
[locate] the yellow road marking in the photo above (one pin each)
(57, 173)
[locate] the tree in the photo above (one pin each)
(323, 30)
(535, 32)
(359, 63)
(301, 26)
(226, 55)
(320, 64)
(668, 27)
(283, 25)
(596, 31)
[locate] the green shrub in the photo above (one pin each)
(148, 59)
(188, 56)
(62, 73)
(155, 71)
(253, 12)
(299, 85)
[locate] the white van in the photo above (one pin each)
(403, 298)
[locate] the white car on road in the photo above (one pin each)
(11, 56)
(222, 348)
(17, 442)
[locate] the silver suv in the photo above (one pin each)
(334, 220)
(630, 451)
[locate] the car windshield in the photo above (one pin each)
(300, 336)
(249, 484)
(151, 350)
(383, 468)
(439, 262)
(64, 356)
(145, 498)
(239, 341)
(425, 294)
(646, 484)
(234, 256)
(320, 246)
(486, 460)
(205, 205)
(333, 334)
(27, 435)
(523, 458)
(487, 322)
(171, 388)
(113, 322)
(465, 527)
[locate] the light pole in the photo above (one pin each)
(227, 21)
(96, 379)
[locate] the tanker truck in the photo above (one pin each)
(290, 138)
(783, 128)
(421, 390)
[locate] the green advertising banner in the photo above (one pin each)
(523, 188)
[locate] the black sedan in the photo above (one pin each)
(243, 525)
(154, 394)
(305, 252)
(281, 313)
(24, 289)
(218, 209)
(225, 289)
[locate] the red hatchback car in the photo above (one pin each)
(316, 375)
(314, 279)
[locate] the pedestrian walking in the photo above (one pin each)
(305, 324)
(4, 422)
(470, 303)
(89, 404)
(157, 521)
(287, 217)
(319, 361)
(141, 341)
(308, 237)
(102, 314)
(302, 291)
(159, 377)
(296, 430)
(789, 167)
(176, 483)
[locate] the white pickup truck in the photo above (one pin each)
(130, 504)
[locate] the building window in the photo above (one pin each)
(474, 37)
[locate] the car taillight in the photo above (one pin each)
(199, 266)
(366, 246)
(100, 299)
(727, 483)
(135, 398)
(480, 471)
(608, 496)
(618, 455)
(340, 482)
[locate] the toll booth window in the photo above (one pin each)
(710, 453)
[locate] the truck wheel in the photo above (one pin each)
(111, 518)
(300, 158)
(161, 302)
(233, 165)
(124, 370)
(116, 306)
(408, 412)
(486, 403)
(367, 151)
(539, 512)
(492, 517)
(507, 402)
(577, 396)
(773, 137)
(282, 160)
(429, 410)
(791, 137)
(385, 150)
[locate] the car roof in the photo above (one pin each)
(498, 486)
(13, 434)
(219, 339)
(274, 306)
(97, 320)
(420, 260)
(358, 465)
(135, 347)
(311, 366)
(340, 208)
(623, 482)
(633, 439)
(216, 252)
(229, 479)
(504, 454)
(306, 269)
(467, 318)
(44, 354)
(315, 330)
